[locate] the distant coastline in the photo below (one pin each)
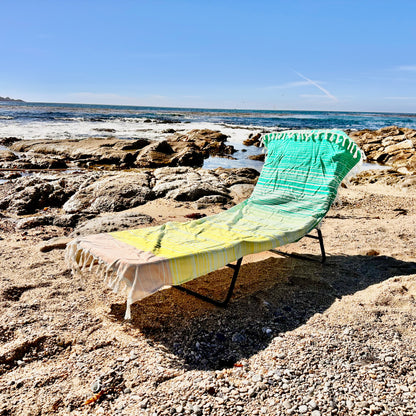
(11, 100)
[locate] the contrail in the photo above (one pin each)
(326, 92)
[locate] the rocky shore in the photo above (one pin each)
(299, 338)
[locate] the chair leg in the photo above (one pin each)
(299, 256)
(224, 303)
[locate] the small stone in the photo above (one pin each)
(143, 404)
(96, 386)
(287, 404)
(266, 331)
(316, 413)
(256, 378)
(312, 404)
(197, 410)
(179, 409)
(303, 408)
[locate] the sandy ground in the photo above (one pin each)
(65, 348)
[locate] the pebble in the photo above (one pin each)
(143, 404)
(96, 386)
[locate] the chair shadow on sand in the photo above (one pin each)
(272, 296)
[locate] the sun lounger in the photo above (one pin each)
(296, 188)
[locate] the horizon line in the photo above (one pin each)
(21, 101)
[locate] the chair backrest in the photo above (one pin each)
(303, 170)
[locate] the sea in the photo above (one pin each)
(30, 120)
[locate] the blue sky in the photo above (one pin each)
(278, 54)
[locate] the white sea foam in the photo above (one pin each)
(121, 128)
(78, 128)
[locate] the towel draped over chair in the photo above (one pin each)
(295, 190)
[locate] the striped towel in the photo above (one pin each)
(296, 187)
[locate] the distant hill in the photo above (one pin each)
(10, 99)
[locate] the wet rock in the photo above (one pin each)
(261, 157)
(112, 222)
(253, 140)
(111, 193)
(7, 141)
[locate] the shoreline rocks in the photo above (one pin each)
(188, 149)
(75, 198)
(392, 146)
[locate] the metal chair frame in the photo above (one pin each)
(236, 268)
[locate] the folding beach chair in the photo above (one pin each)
(295, 190)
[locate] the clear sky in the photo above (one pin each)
(357, 55)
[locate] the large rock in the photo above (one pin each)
(182, 184)
(93, 150)
(209, 142)
(33, 193)
(386, 177)
(7, 155)
(112, 222)
(36, 162)
(114, 192)
(392, 146)
(93, 193)
(166, 153)
(230, 177)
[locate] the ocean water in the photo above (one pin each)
(63, 121)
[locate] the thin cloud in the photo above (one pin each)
(400, 98)
(411, 68)
(314, 83)
(286, 85)
(313, 96)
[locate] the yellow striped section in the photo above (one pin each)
(198, 247)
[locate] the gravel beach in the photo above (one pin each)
(298, 338)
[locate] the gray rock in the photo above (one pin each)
(92, 150)
(214, 199)
(196, 191)
(56, 243)
(169, 154)
(111, 193)
(112, 222)
(31, 222)
(34, 193)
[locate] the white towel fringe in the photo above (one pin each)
(306, 135)
(79, 259)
